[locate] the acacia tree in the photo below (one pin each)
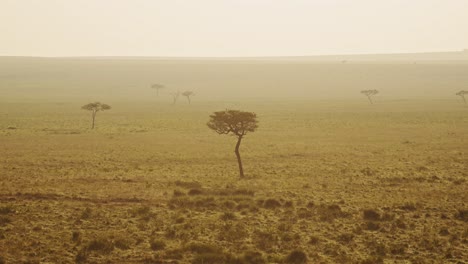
(157, 87)
(188, 94)
(94, 108)
(236, 123)
(369, 94)
(462, 95)
(175, 97)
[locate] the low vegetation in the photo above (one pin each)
(324, 184)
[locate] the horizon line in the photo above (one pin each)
(236, 57)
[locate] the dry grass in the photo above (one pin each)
(326, 183)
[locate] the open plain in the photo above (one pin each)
(330, 178)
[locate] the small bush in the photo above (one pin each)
(372, 226)
(178, 193)
(195, 192)
(123, 243)
(76, 236)
(346, 238)
(141, 211)
(103, 245)
(314, 240)
(86, 214)
(330, 212)
(228, 216)
(462, 214)
(81, 256)
(371, 215)
(157, 244)
(4, 210)
(253, 257)
(271, 203)
(296, 257)
(4, 220)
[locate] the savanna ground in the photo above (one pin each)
(341, 181)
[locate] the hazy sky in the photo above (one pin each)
(230, 27)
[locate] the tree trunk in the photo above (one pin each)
(94, 118)
(464, 99)
(370, 100)
(241, 169)
(189, 102)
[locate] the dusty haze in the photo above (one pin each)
(230, 28)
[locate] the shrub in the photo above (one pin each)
(371, 215)
(4, 220)
(141, 211)
(228, 216)
(178, 193)
(372, 226)
(314, 240)
(265, 240)
(330, 212)
(271, 203)
(157, 244)
(462, 214)
(6, 210)
(86, 214)
(253, 257)
(346, 238)
(76, 236)
(103, 245)
(81, 256)
(233, 232)
(195, 192)
(296, 257)
(123, 243)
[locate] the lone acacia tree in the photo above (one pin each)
(369, 94)
(157, 87)
(94, 108)
(462, 95)
(188, 94)
(236, 123)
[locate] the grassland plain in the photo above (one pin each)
(341, 181)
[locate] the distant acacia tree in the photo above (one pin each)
(462, 95)
(157, 87)
(236, 123)
(94, 108)
(175, 97)
(369, 94)
(188, 94)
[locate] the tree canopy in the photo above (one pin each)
(370, 92)
(462, 93)
(234, 122)
(96, 107)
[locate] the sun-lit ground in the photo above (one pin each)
(342, 181)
